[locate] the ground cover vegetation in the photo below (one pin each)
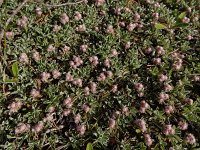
(100, 74)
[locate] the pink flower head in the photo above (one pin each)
(77, 61)
(139, 87)
(183, 125)
(127, 45)
(115, 114)
(141, 124)
(24, 58)
(45, 76)
(136, 17)
(56, 28)
(78, 82)
(148, 50)
(66, 49)
(66, 112)
(22, 128)
(68, 102)
(125, 110)
(189, 37)
(160, 50)
(140, 26)
(87, 91)
(127, 10)
(148, 140)
(72, 64)
(9, 35)
(56, 74)
(131, 26)
(188, 101)
(35, 93)
(163, 97)
(196, 78)
(155, 16)
(49, 117)
(157, 5)
(101, 77)
(64, 18)
(84, 48)
(156, 61)
(77, 118)
(143, 106)
(168, 130)
(117, 11)
(93, 87)
(177, 65)
(114, 52)
(36, 56)
(169, 109)
(109, 74)
(140, 94)
(94, 60)
(38, 127)
(51, 48)
(162, 78)
(97, 29)
(112, 123)
(99, 2)
(69, 77)
(186, 20)
(190, 139)
(107, 62)
(38, 11)
(168, 87)
(114, 88)
(81, 129)
(15, 106)
(77, 16)
(81, 28)
(110, 29)
(51, 109)
(22, 23)
(86, 108)
(122, 24)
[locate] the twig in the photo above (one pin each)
(9, 19)
(64, 4)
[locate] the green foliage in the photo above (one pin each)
(160, 26)
(15, 69)
(142, 34)
(89, 146)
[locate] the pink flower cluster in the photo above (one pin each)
(35, 93)
(168, 130)
(76, 62)
(143, 106)
(94, 60)
(22, 23)
(148, 140)
(24, 58)
(22, 128)
(64, 18)
(141, 124)
(15, 106)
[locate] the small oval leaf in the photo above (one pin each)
(160, 26)
(89, 146)
(9, 81)
(182, 15)
(15, 69)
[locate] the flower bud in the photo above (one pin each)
(190, 139)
